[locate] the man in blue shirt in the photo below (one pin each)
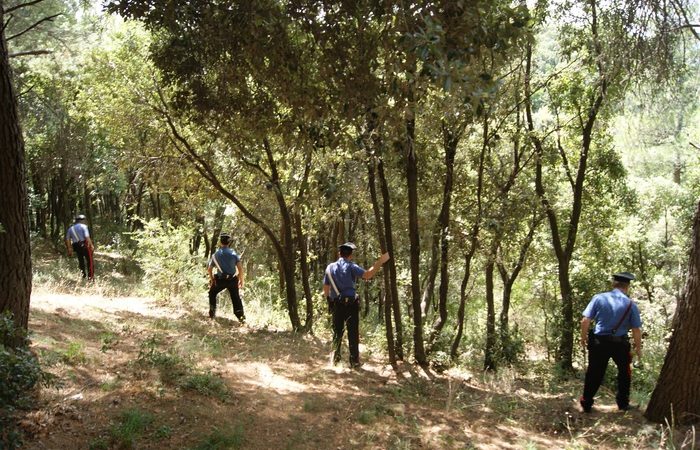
(229, 275)
(339, 289)
(78, 241)
(615, 314)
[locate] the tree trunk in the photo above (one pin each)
(414, 236)
(450, 142)
(676, 397)
(217, 224)
(15, 255)
(371, 169)
(490, 347)
(390, 266)
(305, 274)
(454, 350)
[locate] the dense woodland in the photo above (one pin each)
(510, 156)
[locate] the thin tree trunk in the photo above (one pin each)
(473, 241)
(218, 223)
(390, 266)
(450, 142)
(305, 274)
(381, 236)
(490, 347)
(414, 234)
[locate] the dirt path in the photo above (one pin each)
(137, 375)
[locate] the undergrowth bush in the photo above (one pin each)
(19, 373)
(170, 271)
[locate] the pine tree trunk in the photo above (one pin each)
(15, 256)
(676, 397)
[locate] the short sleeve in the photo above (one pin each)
(635, 318)
(592, 308)
(86, 231)
(357, 271)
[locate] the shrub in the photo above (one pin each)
(19, 373)
(164, 256)
(132, 424)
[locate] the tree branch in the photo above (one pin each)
(45, 19)
(30, 52)
(22, 5)
(688, 25)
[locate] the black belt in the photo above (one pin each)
(344, 300)
(610, 338)
(224, 276)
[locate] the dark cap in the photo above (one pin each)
(623, 277)
(80, 217)
(349, 245)
(224, 238)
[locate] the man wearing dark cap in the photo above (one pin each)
(615, 314)
(78, 241)
(229, 275)
(343, 301)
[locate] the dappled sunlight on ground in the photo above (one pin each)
(276, 389)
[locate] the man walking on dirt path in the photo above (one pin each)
(343, 301)
(615, 314)
(229, 275)
(78, 241)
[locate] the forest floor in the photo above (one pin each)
(136, 374)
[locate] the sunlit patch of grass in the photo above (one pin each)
(207, 384)
(74, 354)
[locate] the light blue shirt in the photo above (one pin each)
(344, 273)
(227, 260)
(607, 309)
(78, 232)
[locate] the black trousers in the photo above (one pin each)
(84, 259)
(600, 351)
(346, 313)
(231, 285)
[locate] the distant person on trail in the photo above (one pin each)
(343, 301)
(78, 241)
(229, 275)
(615, 314)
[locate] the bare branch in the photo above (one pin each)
(22, 5)
(5, 25)
(679, 9)
(45, 19)
(30, 52)
(694, 145)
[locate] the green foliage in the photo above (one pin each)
(223, 440)
(206, 383)
(108, 340)
(170, 367)
(170, 271)
(19, 374)
(130, 427)
(74, 354)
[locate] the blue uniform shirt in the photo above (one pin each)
(78, 232)
(227, 260)
(344, 273)
(607, 309)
